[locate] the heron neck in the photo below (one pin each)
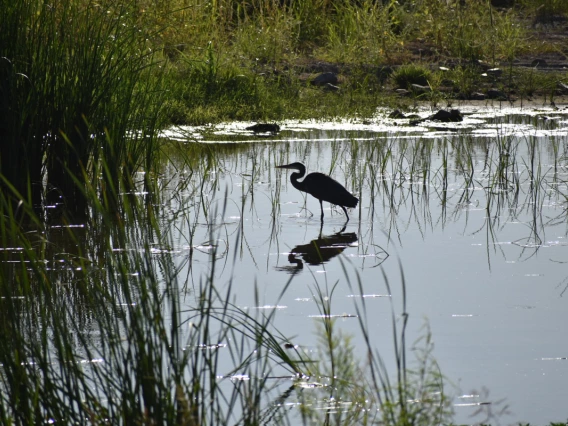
(294, 179)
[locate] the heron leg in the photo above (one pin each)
(321, 206)
(345, 210)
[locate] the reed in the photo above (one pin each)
(76, 86)
(404, 392)
(100, 334)
(99, 326)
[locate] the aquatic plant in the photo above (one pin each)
(76, 87)
(100, 333)
(366, 390)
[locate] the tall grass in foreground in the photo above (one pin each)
(75, 84)
(94, 330)
(95, 335)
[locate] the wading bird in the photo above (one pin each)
(322, 187)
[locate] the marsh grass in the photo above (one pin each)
(76, 88)
(99, 324)
(260, 49)
(96, 332)
(93, 324)
(219, 61)
(366, 390)
(274, 48)
(211, 87)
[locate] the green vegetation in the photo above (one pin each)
(99, 325)
(407, 75)
(79, 83)
(95, 329)
(276, 48)
(84, 80)
(85, 87)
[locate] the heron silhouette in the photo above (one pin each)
(322, 187)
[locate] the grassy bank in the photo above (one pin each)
(255, 60)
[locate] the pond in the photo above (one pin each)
(471, 216)
(214, 293)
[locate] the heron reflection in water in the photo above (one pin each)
(319, 251)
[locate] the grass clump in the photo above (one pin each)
(357, 391)
(362, 33)
(464, 80)
(210, 87)
(407, 75)
(75, 85)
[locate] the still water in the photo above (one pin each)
(472, 214)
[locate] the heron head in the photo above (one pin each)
(293, 166)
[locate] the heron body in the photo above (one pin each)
(322, 187)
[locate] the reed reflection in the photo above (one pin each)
(319, 251)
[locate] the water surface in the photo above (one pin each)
(475, 212)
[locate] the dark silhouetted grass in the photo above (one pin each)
(76, 87)
(94, 330)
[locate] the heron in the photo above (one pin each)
(322, 187)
